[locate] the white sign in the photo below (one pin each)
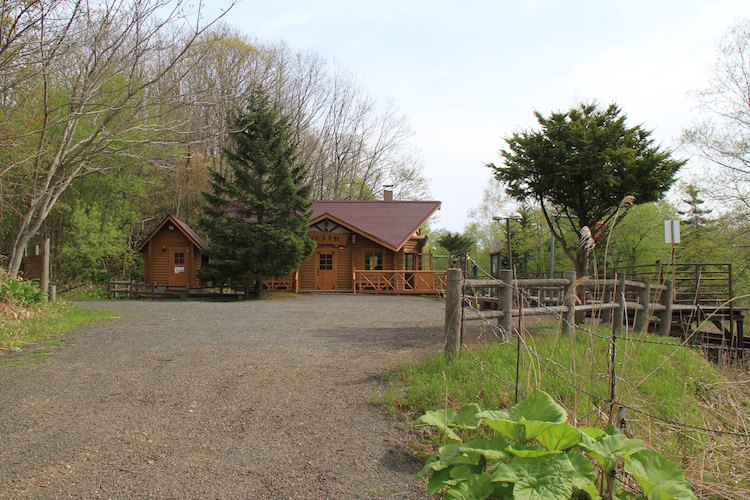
(178, 270)
(672, 231)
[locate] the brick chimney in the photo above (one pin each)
(388, 195)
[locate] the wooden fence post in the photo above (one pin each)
(505, 299)
(665, 316)
(622, 308)
(607, 298)
(569, 300)
(453, 309)
(44, 278)
(644, 299)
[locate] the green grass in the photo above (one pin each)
(664, 380)
(486, 375)
(46, 323)
(86, 292)
(278, 295)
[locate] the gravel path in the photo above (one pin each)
(267, 399)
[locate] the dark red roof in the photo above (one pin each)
(390, 223)
(183, 227)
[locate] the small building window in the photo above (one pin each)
(326, 262)
(179, 258)
(374, 261)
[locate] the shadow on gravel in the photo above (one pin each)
(384, 338)
(399, 460)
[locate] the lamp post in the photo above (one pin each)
(507, 220)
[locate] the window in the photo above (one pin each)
(374, 261)
(410, 262)
(179, 258)
(326, 262)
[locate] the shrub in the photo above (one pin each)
(17, 290)
(530, 451)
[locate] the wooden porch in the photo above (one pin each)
(399, 281)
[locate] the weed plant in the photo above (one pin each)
(660, 379)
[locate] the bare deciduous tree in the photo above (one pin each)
(91, 101)
(721, 136)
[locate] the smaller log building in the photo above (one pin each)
(172, 254)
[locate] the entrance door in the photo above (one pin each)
(178, 269)
(325, 273)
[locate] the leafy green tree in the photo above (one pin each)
(93, 227)
(582, 163)
(639, 237)
(457, 245)
(256, 217)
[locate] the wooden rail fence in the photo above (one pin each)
(139, 290)
(637, 304)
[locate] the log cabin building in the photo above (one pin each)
(362, 247)
(172, 254)
(365, 246)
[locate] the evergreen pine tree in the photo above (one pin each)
(695, 214)
(256, 216)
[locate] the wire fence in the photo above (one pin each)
(607, 388)
(571, 378)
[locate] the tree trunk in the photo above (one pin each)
(16, 256)
(258, 291)
(582, 263)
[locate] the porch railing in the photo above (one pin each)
(289, 283)
(394, 281)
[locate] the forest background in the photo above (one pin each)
(115, 113)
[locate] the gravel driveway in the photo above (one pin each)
(267, 399)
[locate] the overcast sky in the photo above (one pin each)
(468, 73)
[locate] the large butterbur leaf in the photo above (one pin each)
(659, 478)
(443, 420)
(512, 431)
(476, 487)
(448, 419)
(610, 448)
(584, 476)
(466, 417)
(441, 460)
(559, 437)
(438, 480)
(529, 451)
(526, 420)
(538, 406)
(534, 428)
(491, 449)
(504, 473)
(546, 477)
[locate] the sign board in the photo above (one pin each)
(328, 238)
(672, 231)
(178, 270)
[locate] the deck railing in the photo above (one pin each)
(395, 281)
(289, 283)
